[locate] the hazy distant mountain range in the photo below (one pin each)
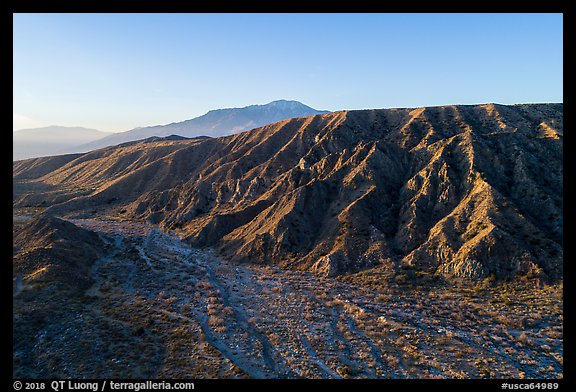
(220, 122)
(37, 142)
(61, 140)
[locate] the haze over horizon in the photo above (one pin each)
(115, 72)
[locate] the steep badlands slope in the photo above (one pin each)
(51, 250)
(462, 190)
(37, 167)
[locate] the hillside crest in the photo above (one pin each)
(467, 191)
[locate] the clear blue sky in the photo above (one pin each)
(114, 72)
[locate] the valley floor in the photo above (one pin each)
(161, 309)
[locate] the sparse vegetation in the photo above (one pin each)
(297, 319)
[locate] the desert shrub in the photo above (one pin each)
(220, 329)
(274, 338)
(345, 371)
(401, 279)
(213, 309)
(215, 321)
(523, 338)
(138, 331)
(228, 311)
(382, 298)
(203, 285)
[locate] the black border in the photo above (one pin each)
(358, 6)
(487, 6)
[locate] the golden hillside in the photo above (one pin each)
(464, 191)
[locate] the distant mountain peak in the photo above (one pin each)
(286, 102)
(282, 104)
(215, 123)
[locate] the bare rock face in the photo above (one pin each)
(463, 191)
